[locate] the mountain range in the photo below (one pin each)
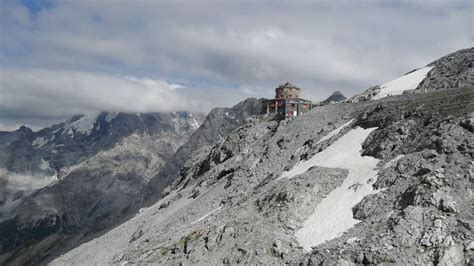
(384, 177)
(81, 175)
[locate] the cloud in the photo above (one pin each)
(36, 96)
(201, 54)
(42, 93)
(9, 127)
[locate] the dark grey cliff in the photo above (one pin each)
(217, 125)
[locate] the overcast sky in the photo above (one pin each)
(60, 58)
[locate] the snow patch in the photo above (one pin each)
(85, 124)
(207, 214)
(334, 132)
(333, 215)
(229, 115)
(111, 116)
(44, 165)
(39, 142)
(394, 160)
(352, 240)
(194, 123)
(407, 82)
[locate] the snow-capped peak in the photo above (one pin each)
(84, 124)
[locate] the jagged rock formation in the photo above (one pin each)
(455, 70)
(218, 124)
(404, 197)
(87, 174)
(335, 97)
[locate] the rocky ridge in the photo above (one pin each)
(218, 124)
(452, 71)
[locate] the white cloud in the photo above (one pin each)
(58, 93)
(9, 127)
(61, 62)
(154, 84)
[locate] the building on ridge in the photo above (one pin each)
(287, 102)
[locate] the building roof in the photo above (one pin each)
(288, 85)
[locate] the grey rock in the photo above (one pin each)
(217, 125)
(468, 123)
(364, 96)
(455, 70)
(452, 256)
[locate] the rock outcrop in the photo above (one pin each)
(217, 125)
(455, 70)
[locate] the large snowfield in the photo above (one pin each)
(407, 82)
(333, 215)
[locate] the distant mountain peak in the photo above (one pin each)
(336, 96)
(24, 128)
(337, 93)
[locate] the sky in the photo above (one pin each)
(61, 58)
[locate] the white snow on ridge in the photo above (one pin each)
(85, 124)
(111, 116)
(334, 132)
(333, 215)
(194, 123)
(39, 142)
(407, 82)
(207, 214)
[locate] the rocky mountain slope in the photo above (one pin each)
(218, 124)
(385, 177)
(452, 71)
(81, 175)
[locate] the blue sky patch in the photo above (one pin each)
(35, 6)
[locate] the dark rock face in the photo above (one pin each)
(337, 96)
(455, 70)
(101, 164)
(218, 124)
